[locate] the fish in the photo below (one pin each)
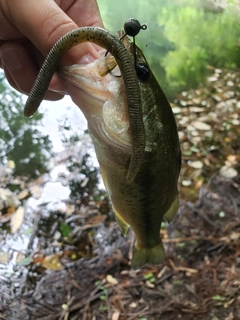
(133, 130)
(152, 196)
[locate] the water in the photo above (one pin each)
(53, 195)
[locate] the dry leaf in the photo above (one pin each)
(111, 280)
(186, 183)
(176, 110)
(52, 262)
(22, 260)
(234, 158)
(17, 219)
(196, 109)
(212, 78)
(23, 194)
(4, 256)
(115, 315)
(230, 316)
(133, 305)
(20, 257)
(234, 235)
(5, 217)
(96, 220)
(201, 125)
(11, 164)
(149, 284)
(36, 191)
(195, 164)
(8, 198)
(228, 172)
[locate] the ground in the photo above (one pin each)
(80, 266)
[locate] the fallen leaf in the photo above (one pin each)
(4, 257)
(36, 192)
(23, 194)
(17, 219)
(212, 78)
(195, 164)
(97, 219)
(11, 164)
(5, 217)
(11, 210)
(116, 315)
(228, 303)
(133, 305)
(149, 284)
(201, 125)
(111, 280)
(176, 110)
(52, 262)
(196, 109)
(230, 316)
(234, 235)
(230, 83)
(9, 198)
(20, 257)
(228, 172)
(24, 261)
(186, 183)
(234, 158)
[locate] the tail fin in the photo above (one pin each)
(153, 256)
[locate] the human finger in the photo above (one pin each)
(21, 72)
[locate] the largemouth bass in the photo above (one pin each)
(151, 195)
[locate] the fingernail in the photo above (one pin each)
(11, 59)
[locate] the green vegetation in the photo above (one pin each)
(20, 138)
(183, 37)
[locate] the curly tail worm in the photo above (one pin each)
(112, 44)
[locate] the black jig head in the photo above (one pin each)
(132, 27)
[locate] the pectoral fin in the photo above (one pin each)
(122, 224)
(172, 211)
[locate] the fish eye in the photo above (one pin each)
(142, 71)
(132, 27)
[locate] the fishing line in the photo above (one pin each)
(150, 18)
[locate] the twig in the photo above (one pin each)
(181, 268)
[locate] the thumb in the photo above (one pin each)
(43, 23)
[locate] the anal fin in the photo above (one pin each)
(122, 224)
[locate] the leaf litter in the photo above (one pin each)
(79, 268)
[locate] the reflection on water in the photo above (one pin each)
(53, 192)
(57, 112)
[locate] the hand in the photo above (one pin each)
(29, 29)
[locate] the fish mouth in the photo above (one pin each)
(98, 90)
